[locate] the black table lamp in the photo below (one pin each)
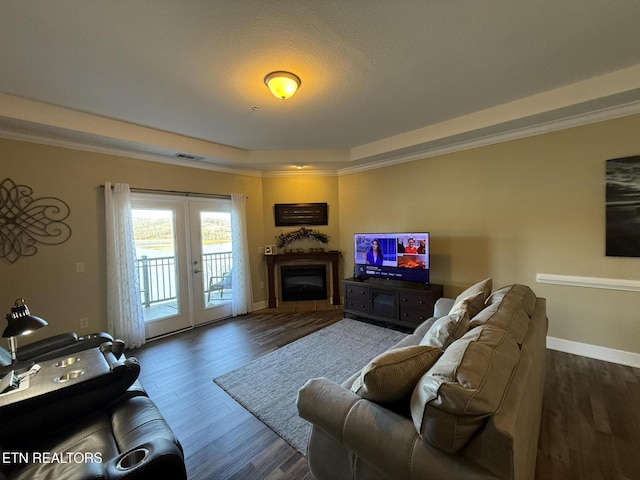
(21, 322)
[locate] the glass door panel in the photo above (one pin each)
(159, 229)
(212, 256)
(156, 261)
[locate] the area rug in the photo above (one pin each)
(268, 386)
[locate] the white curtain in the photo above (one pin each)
(125, 319)
(242, 300)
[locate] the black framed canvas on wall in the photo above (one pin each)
(623, 207)
(292, 214)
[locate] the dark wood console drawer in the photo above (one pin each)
(358, 305)
(356, 291)
(413, 317)
(415, 300)
(356, 298)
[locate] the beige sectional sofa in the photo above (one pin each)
(460, 398)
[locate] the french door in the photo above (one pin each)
(184, 260)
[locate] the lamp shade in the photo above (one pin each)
(20, 321)
(282, 84)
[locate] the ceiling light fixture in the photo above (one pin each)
(282, 84)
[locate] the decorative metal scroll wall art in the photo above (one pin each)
(25, 221)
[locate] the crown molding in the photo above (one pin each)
(578, 120)
(299, 173)
(384, 160)
(149, 157)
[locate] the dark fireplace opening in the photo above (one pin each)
(303, 282)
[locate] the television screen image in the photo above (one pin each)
(411, 261)
(400, 256)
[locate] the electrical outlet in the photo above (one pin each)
(84, 323)
(80, 267)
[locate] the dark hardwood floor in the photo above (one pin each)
(590, 427)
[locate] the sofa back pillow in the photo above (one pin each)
(391, 376)
(509, 308)
(475, 296)
(464, 387)
(446, 330)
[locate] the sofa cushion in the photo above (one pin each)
(447, 330)
(475, 296)
(525, 295)
(392, 375)
(464, 387)
(509, 308)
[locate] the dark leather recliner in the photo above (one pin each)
(126, 439)
(105, 427)
(53, 347)
(47, 405)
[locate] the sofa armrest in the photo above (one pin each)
(326, 404)
(443, 307)
(382, 438)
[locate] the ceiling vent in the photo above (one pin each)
(187, 156)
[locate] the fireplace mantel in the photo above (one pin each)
(333, 257)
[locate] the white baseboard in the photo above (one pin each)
(259, 305)
(593, 351)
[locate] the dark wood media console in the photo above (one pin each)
(407, 304)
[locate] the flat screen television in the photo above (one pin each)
(397, 256)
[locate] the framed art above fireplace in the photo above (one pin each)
(291, 214)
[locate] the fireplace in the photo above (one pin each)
(303, 282)
(331, 257)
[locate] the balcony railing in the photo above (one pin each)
(157, 275)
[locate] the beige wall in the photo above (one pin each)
(48, 280)
(510, 211)
(302, 189)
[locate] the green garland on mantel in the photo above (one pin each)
(285, 239)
